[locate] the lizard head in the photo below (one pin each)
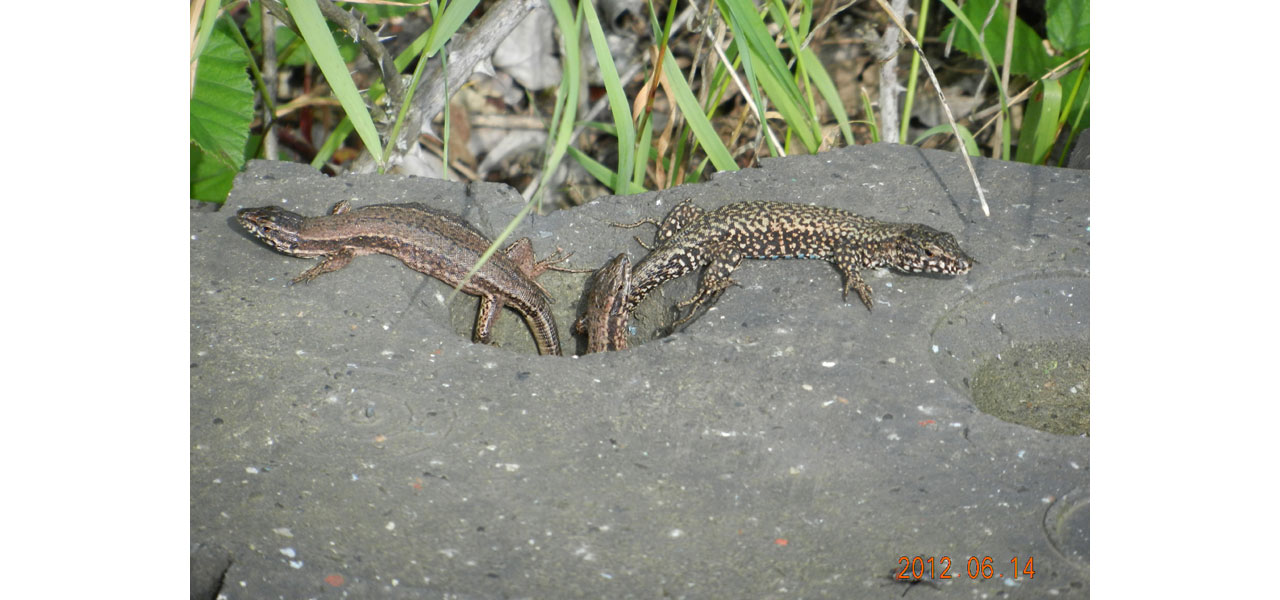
(605, 320)
(276, 226)
(923, 249)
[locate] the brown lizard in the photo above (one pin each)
(605, 320)
(427, 240)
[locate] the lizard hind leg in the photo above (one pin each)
(644, 221)
(486, 319)
(681, 216)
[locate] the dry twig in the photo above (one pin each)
(941, 98)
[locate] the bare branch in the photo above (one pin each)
(367, 39)
(1054, 73)
(889, 86)
(465, 52)
(282, 14)
(943, 99)
(373, 48)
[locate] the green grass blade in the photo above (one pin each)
(759, 44)
(618, 105)
(333, 142)
(207, 17)
(312, 25)
(821, 80)
(561, 128)
(602, 173)
(1076, 80)
(645, 145)
(407, 102)
(961, 18)
(913, 76)
(770, 69)
(806, 19)
(808, 108)
(757, 100)
(698, 122)
(455, 14)
(871, 116)
(966, 136)
(448, 123)
(1075, 128)
(570, 88)
(748, 62)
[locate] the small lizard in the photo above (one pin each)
(690, 237)
(427, 240)
(605, 321)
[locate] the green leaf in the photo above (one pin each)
(315, 31)
(1029, 56)
(210, 179)
(1067, 22)
(1040, 125)
(222, 100)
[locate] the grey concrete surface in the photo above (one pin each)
(348, 440)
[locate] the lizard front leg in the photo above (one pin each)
(521, 253)
(328, 264)
(849, 262)
(715, 280)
